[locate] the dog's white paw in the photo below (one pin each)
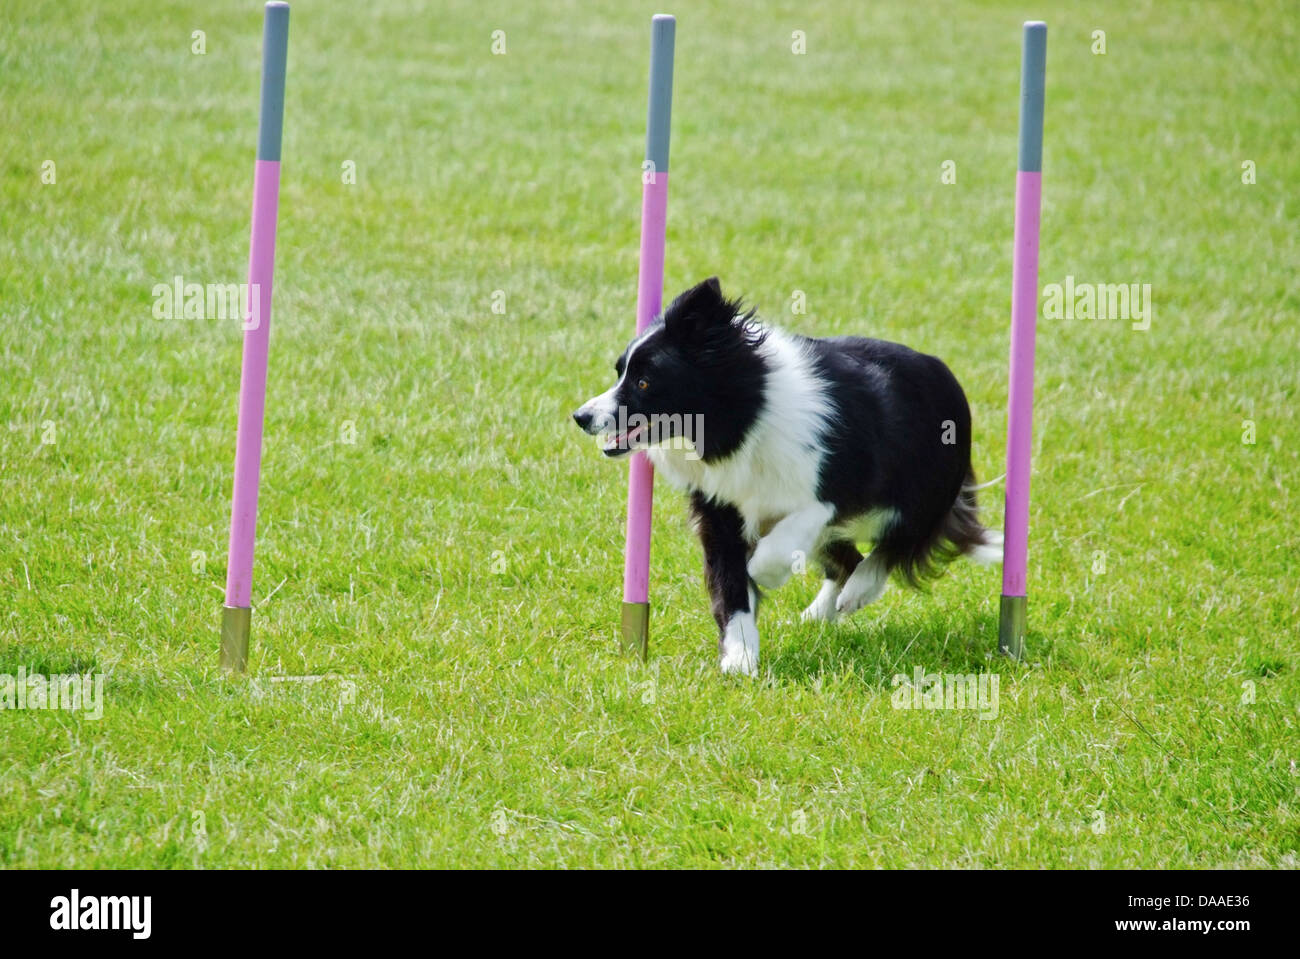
(740, 645)
(771, 564)
(740, 661)
(823, 607)
(864, 586)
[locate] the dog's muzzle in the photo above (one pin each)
(596, 418)
(585, 419)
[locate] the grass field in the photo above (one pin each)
(440, 542)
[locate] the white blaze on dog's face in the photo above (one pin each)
(616, 414)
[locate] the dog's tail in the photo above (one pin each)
(958, 532)
(963, 529)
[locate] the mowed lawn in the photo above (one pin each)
(442, 546)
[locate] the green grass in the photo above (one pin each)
(459, 564)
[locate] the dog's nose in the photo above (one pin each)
(583, 418)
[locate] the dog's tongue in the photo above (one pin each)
(623, 440)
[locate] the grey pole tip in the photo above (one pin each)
(1032, 83)
(663, 16)
(663, 32)
(275, 53)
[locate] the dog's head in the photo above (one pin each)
(686, 373)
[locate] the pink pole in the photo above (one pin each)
(252, 384)
(649, 301)
(1020, 401)
(237, 615)
(1024, 323)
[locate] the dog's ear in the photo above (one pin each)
(700, 306)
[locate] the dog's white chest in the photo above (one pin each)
(763, 489)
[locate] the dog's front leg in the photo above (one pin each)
(734, 599)
(792, 538)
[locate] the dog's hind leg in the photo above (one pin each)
(839, 558)
(734, 598)
(865, 585)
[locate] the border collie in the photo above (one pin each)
(791, 449)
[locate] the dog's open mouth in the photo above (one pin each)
(621, 444)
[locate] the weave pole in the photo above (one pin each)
(236, 617)
(649, 301)
(1024, 321)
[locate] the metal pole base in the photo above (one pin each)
(236, 623)
(636, 629)
(1011, 626)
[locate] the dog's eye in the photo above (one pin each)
(641, 384)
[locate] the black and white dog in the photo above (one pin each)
(794, 448)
